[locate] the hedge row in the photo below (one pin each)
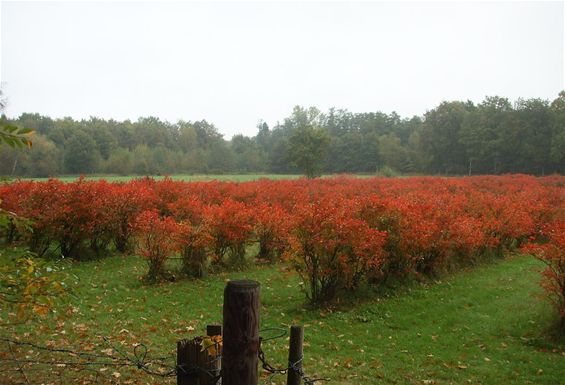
(338, 233)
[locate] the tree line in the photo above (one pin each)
(494, 136)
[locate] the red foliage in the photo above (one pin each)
(231, 225)
(197, 241)
(124, 203)
(272, 226)
(79, 216)
(157, 239)
(34, 201)
(432, 225)
(331, 248)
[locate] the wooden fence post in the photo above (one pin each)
(182, 362)
(190, 355)
(295, 355)
(213, 330)
(240, 351)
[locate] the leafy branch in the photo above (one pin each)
(15, 136)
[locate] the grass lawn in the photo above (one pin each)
(183, 177)
(486, 325)
(193, 178)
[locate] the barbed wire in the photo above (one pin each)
(84, 360)
(20, 368)
(282, 333)
(139, 359)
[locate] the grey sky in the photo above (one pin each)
(235, 63)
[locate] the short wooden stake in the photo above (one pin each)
(213, 330)
(182, 362)
(196, 362)
(240, 351)
(295, 354)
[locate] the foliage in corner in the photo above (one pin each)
(29, 285)
(15, 136)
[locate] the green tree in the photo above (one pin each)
(120, 162)
(188, 138)
(263, 137)
(81, 153)
(524, 139)
(143, 160)
(307, 148)
(105, 141)
(557, 152)
(440, 139)
(482, 134)
(220, 158)
(393, 154)
(45, 158)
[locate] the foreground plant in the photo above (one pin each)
(29, 285)
(552, 253)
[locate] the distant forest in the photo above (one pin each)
(454, 138)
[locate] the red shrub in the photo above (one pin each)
(231, 227)
(332, 249)
(36, 202)
(12, 199)
(272, 225)
(77, 213)
(197, 241)
(157, 239)
(333, 229)
(125, 202)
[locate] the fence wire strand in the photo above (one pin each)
(138, 358)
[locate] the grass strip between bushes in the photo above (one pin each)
(486, 325)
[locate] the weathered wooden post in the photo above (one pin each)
(196, 365)
(213, 330)
(295, 355)
(182, 363)
(240, 351)
(192, 359)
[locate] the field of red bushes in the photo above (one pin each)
(339, 233)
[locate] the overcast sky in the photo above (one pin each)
(236, 63)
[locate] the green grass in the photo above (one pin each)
(192, 178)
(486, 325)
(183, 177)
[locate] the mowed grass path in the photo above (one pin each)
(485, 325)
(195, 178)
(181, 177)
